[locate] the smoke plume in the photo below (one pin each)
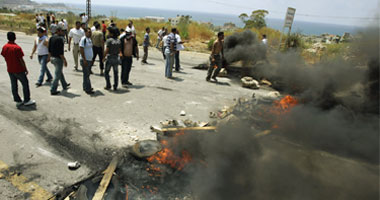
(325, 148)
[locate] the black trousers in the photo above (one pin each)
(25, 86)
(98, 51)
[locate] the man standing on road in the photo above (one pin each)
(104, 30)
(217, 57)
(76, 34)
(131, 28)
(87, 54)
(98, 47)
(146, 45)
(112, 52)
(160, 36)
(57, 58)
(41, 44)
(53, 28)
(170, 49)
(129, 48)
(16, 68)
(179, 48)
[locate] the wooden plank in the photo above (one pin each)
(207, 128)
(99, 194)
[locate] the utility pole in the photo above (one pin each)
(88, 8)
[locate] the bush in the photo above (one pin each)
(210, 43)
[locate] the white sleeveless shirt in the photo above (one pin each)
(41, 48)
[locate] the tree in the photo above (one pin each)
(256, 20)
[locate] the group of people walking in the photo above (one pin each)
(88, 43)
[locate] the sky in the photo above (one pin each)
(347, 12)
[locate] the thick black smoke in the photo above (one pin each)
(244, 47)
(325, 148)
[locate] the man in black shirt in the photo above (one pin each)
(56, 49)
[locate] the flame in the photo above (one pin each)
(284, 105)
(167, 157)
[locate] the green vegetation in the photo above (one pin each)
(256, 20)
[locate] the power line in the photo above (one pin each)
(298, 14)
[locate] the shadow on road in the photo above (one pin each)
(178, 79)
(97, 94)
(69, 94)
(28, 108)
(136, 86)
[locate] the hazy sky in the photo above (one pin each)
(354, 12)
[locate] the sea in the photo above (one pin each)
(303, 27)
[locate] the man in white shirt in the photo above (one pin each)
(65, 27)
(76, 34)
(87, 54)
(179, 47)
(264, 40)
(160, 36)
(131, 28)
(84, 19)
(93, 28)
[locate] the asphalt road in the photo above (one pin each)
(38, 142)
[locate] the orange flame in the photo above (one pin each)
(167, 157)
(284, 105)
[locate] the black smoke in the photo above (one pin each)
(327, 147)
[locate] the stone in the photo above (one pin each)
(249, 82)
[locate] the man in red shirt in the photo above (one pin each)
(17, 70)
(104, 30)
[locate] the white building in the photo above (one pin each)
(155, 19)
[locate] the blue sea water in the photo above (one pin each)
(307, 28)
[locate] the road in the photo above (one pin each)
(37, 142)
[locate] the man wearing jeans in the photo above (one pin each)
(98, 46)
(57, 58)
(87, 54)
(17, 70)
(112, 52)
(41, 45)
(170, 49)
(216, 58)
(129, 48)
(76, 34)
(146, 45)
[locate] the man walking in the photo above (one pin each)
(146, 45)
(179, 48)
(16, 68)
(53, 28)
(41, 44)
(170, 49)
(98, 47)
(112, 52)
(104, 30)
(86, 53)
(76, 34)
(129, 48)
(160, 36)
(57, 58)
(217, 57)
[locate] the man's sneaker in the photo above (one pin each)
(30, 102)
(76, 69)
(19, 104)
(38, 84)
(90, 92)
(107, 88)
(55, 93)
(67, 86)
(208, 79)
(49, 80)
(216, 80)
(129, 83)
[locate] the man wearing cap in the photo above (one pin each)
(76, 35)
(17, 70)
(129, 48)
(41, 45)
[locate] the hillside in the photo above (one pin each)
(16, 2)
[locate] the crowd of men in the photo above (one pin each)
(117, 47)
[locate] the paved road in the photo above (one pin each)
(37, 143)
